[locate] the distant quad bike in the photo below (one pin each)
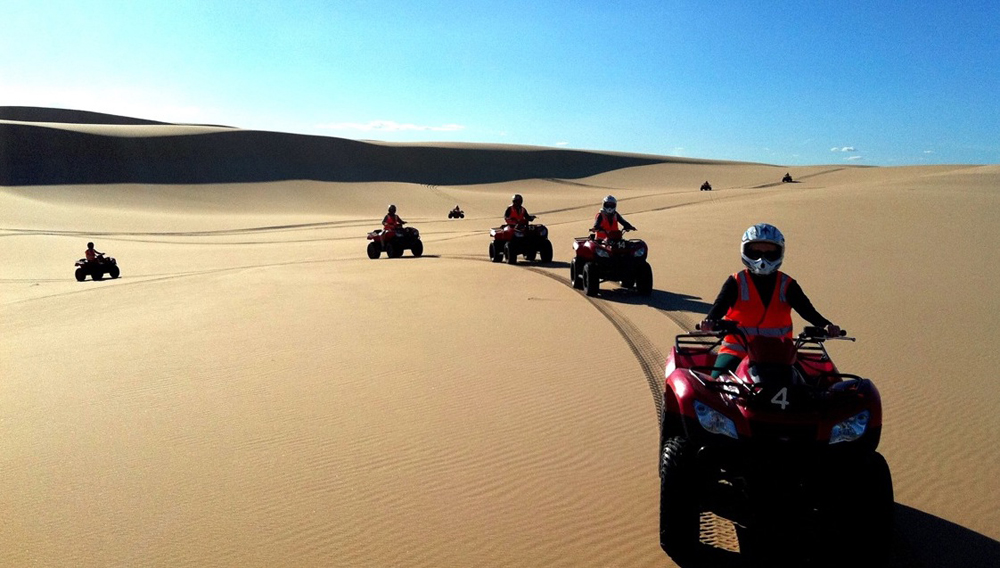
(787, 178)
(706, 186)
(456, 213)
(97, 268)
(614, 259)
(785, 447)
(532, 241)
(394, 242)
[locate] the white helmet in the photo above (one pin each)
(763, 233)
(610, 204)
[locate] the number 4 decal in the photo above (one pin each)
(781, 399)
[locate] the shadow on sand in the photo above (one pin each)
(920, 540)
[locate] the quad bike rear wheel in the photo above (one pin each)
(374, 250)
(591, 280)
(496, 253)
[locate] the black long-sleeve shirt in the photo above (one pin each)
(765, 287)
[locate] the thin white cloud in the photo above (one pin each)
(562, 143)
(928, 151)
(851, 158)
(388, 126)
(842, 149)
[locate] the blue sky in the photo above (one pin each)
(794, 83)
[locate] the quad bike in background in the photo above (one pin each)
(526, 239)
(394, 242)
(784, 446)
(614, 259)
(456, 213)
(97, 268)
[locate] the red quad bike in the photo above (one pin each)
(785, 447)
(394, 242)
(97, 268)
(529, 240)
(612, 259)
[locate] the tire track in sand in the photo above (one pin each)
(649, 358)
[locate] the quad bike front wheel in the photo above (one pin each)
(574, 275)
(545, 251)
(644, 279)
(114, 272)
(418, 248)
(496, 252)
(80, 274)
(508, 251)
(374, 250)
(680, 517)
(591, 280)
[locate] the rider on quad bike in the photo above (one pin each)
(787, 178)
(391, 221)
(760, 298)
(706, 186)
(607, 219)
(96, 265)
(394, 238)
(519, 237)
(606, 256)
(456, 213)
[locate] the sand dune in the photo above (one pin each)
(254, 391)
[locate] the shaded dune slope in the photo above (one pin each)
(68, 116)
(33, 154)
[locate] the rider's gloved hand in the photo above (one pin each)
(833, 330)
(707, 325)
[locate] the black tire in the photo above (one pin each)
(496, 252)
(644, 279)
(574, 275)
(392, 250)
(80, 274)
(114, 272)
(545, 251)
(451, 215)
(591, 279)
(509, 253)
(871, 503)
(680, 517)
(418, 248)
(97, 275)
(530, 255)
(374, 250)
(461, 215)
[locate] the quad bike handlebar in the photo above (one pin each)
(722, 328)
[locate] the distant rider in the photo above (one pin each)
(516, 214)
(760, 299)
(608, 218)
(392, 222)
(91, 253)
(706, 186)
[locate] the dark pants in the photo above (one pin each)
(725, 362)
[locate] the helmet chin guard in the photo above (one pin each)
(610, 204)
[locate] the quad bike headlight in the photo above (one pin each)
(850, 429)
(543, 232)
(714, 421)
(602, 253)
(639, 252)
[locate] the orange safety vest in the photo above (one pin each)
(517, 216)
(390, 222)
(606, 224)
(91, 254)
(753, 318)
